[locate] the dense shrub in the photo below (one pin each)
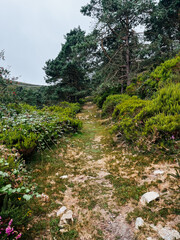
(162, 116)
(27, 128)
(124, 114)
(111, 102)
(149, 122)
(16, 189)
(129, 107)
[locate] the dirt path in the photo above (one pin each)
(101, 184)
(91, 198)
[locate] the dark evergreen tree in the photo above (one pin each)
(69, 70)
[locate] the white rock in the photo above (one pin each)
(67, 216)
(168, 234)
(63, 230)
(157, 172)
(148, 197)
(64, 177)
(61, 211)
(139, 222)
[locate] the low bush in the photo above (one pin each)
(15, 190)
(129, 108)
(111, 102)
(149, 122)
(27, 130)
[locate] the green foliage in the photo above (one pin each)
(28, 128)
(69, 69)
(16, 188)
(162, 30)
(70, 109)
(167, 101)
(149, 122)
(129, 108)
(111, 102)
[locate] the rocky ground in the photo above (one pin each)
(93, 187)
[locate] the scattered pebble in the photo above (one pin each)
(148, 197)
(61, 211)
(63, 230)
(166, 233)
(158, 172)
(139, 222)
(64, 177)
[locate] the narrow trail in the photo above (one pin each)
(91, 198)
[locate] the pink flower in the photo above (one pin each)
(10, 222)
(9, 230)
(19, 236)
(172, 137)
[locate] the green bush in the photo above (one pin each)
(129, 108)
(148, 122)
(111, 102)
(165, 125)
(167, 101)
(27, 130)
(15, 188)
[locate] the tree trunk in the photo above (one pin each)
(127, 52)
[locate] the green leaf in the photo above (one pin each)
(27, 197)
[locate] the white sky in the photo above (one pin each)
(32, 32)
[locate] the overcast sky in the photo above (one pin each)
(32, 32)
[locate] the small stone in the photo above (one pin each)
(148, 197)
(166, 233)
(64, 177)
(63, 230)
(57, 174)
(67, 216)
(61, 211)
(169, 234)
(139, 222)
(158, 172)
